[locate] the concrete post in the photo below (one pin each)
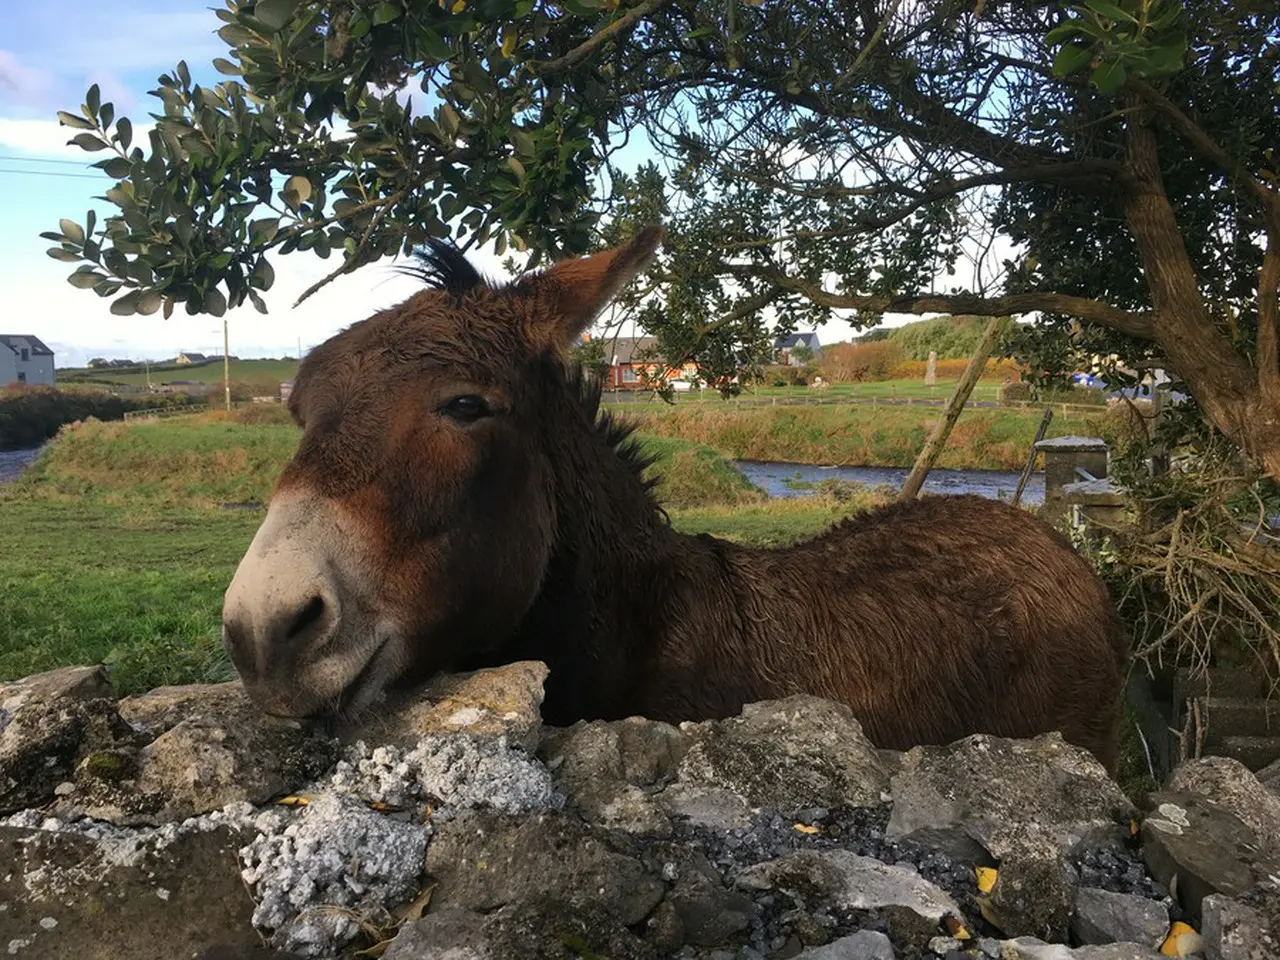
(1062, 457)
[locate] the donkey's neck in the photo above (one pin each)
(621, 584)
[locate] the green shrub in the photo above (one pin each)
(31, 415)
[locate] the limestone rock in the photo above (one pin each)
(705, 806)
(483, 861)
(1233, 787)
(1035, 888)
(45, 738)
(1243, 929)
(1269, 777)
(609, 771)
(985, 789)
(1207, 847)
(863, 945)
(852, 882)
(787, 755)
(503, 700)
(540, 929)
(65, 894)
(709, 913)
(160, 710)
(198, 765)
(65, 683)
(1102, 916)
(1029, 948)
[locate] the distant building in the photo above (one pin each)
(784, 348)
(191, 358)
(25, 359)
(631, 360)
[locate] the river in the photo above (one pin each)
(13, 462)
(798, 480)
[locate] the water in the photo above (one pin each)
(13, 462)
(799, 480)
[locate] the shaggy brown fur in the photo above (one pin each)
(528, 533)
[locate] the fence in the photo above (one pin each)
(189, 410)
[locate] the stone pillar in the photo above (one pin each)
(1062, 457)
(1096, 505)
(931, 369)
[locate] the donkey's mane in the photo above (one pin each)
(440, 265)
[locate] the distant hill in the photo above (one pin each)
(953, 337)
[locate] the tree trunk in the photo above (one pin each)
(1223, 381)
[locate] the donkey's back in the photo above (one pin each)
(932, 619)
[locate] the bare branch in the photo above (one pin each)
(1141, 325)
(352, 263)
(589, 46)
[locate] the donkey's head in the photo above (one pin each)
(417, 516)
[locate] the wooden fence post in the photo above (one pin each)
(942, 429)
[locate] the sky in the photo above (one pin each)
(50, 53)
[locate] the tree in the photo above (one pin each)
(816, 157)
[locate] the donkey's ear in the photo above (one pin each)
(569, 295)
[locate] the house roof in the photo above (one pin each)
(624, 349)
(791, 340)
(193, 356)
(15, 341)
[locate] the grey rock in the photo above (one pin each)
(46, 738)
(1245, 929)
(862, 945)
(1102, 916)
(1233, 787)
(787, 755)
(163, 708)
(609, 770)
(1269, 777)
(65, 683)
(1005, 786)
(1205, 846)
(482, 861)
(852, 882)
(501, 701)
(714, 807)
(709, 913)
(65, 894)
(198, 765)
(1035, 888)
(1030, 948)
(540, 929)
(336, 861)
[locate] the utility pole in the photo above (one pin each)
(226, 362)
(299, 349)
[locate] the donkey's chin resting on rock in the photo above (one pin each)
(458, 500)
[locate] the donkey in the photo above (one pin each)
(457, 500)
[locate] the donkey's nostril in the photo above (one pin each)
(308, 615)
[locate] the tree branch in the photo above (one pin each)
(583, 50)
(1268, 339)
(1141, 325)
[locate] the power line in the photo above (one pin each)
(52, 173)
(73, 163)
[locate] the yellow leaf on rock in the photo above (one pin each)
(1182, 941)
(956, 928)
(459, 6)
(986, 878)
(805, 828)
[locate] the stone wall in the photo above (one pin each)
(182, 824)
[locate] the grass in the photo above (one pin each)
(255, 371)
(849, 434)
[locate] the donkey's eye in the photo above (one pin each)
(466, 409)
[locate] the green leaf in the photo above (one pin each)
(71, 120)
(215, 302)
(385, 12)
(1109, 10)
(258, 303)
(1108, 77)
(127, 305)
(93, 99)
(87, 141)
(226, 67)
(263, 276)
(274, 13)
(116, 167)
(300, 185)
(124, 130)
(1062, 31)
(149, 301)
(517, 166)
(66, 256)
(265, 230)
(71, 230)
(1070, 59)
(434, 43)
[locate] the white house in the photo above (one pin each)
(25, 359)
(783, 348)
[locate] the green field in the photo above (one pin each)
(242, 371)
